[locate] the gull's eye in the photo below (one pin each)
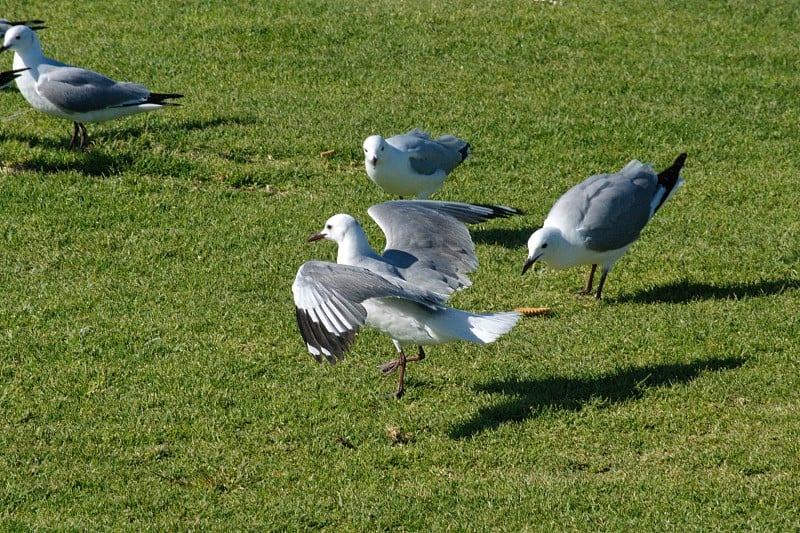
(382, 148)
(365, 150)
(328, 227)
(544, 246)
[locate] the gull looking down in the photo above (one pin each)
(73, 93)
(413, 164)
(597, 220)
(401, 292)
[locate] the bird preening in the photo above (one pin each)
(596, 221)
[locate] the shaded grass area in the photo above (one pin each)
(152, 374)
(529, 397)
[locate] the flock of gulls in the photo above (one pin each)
(402, 291)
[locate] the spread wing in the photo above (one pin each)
(430, 248)
(428, 241)
(328, 301)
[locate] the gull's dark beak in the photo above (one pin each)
(317, 237)
(373, 161)
(3, 49)
(529, 263)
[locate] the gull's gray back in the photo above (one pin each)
(79, 90)
(428, 156)
(608, 210)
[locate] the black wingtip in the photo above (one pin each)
(159, 98)
(315, 335)
(10, 75)
(669, 176)
(465, 151)
(34, 24)
(501, 211)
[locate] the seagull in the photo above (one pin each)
(8, 76)
(73, 93)
(401, 292)
(413, 164)
(596, 221)
(427, 243)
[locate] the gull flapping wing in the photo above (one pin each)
(435, 260)
(328, 303)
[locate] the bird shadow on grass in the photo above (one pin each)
(510, 238)
(92, 163)
(524, 399)
(96, 159)
(687, 291)
(135, 130)
(98, 134)
(53, 142)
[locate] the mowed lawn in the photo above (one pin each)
(152, 376)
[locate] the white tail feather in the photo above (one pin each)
(454, 324)
(489, 327)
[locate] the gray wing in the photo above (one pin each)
(614, 208)
(328, 304)
(428, 156)
(409, 140)
(468, 213)
(79, 90)
(429, 247)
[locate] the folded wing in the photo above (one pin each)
(79, 90)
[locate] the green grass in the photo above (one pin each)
(152, 375)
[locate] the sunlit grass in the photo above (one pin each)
(152, 373)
